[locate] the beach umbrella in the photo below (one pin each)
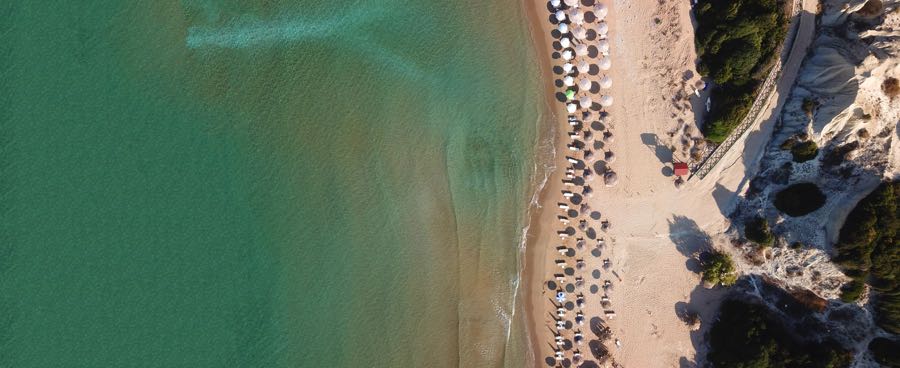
(605, 63)
(583, 67)
(565, 42)
(605, 82)
(585, 102)
(569, 81)
(603, 46)
(581, 50)
(560, 15)
(573, 3)
(567, 67)
(577, 16)
(610, 179)
(555, 3)
(579, 33)
(602, 28)
(571, 108)
(584, 84)
(607, 137)
(609, 157)
(606, 101)
(563, 28)
(600, 11)
(567, 55)
(570, 94)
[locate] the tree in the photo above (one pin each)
(757, 230)
(719, 269)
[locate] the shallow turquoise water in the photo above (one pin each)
(263, 183)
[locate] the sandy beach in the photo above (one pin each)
(654, 227)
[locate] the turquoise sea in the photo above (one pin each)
(264, 183)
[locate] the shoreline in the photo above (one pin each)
(535, 256)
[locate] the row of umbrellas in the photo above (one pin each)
(585, 84)
(580, 32)
(586, 102)
(583, 66)
(581, 49)
(599, 9)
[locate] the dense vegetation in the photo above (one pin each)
(737, 42)
(804, 151)
(749, 336)
(886, 352)
(757, 230)
(799, 199)
(718, 269)
(868, 250)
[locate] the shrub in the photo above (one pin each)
(891, 87)
(851, 291)
(804, 151)
(757, 230)
(749, 336)
(736, 44)
(719, 269)
(809, 106)
(788, 143)
(867, 251)
(885, 351)
(799, 199)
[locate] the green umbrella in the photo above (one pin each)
(570, 94)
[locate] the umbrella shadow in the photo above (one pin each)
(663, 153)
(689, 240)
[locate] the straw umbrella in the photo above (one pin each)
(584, 84)
(609, 157)
(583, 67)
(567, 67)
(571, 108)
(577, 16)
(610, 178)
(581, 50)
(569, 81)
(602, 28)
(585, 102)
(606, 101)
(560, 15)
(567, 55)
(600, 10)
(605, 82)
(605, 63)
(603, 46)
(579, 33)
(563, 28)
(565, 42)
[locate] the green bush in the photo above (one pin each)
(809, 106)
(867, 250)
(750, 336)
(804, 151)
(736, 42)
(885, 351)
(757, 230)
(719, 269)
(799, 199)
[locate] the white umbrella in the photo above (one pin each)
(571, 2)
(584, 84)
(555, 3)
(565, 42)
(605, 82)
(602, 28)
(567, 67)
(563, 28)
(567, 55)
(579, 33)
(577, 16)
(600, 10)
(603, 46)
(569, 81)
(581, 50)
(560, 15)
(606, 101)
(585, 102)
(571, 108)
(605, 63)
(583, 67)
